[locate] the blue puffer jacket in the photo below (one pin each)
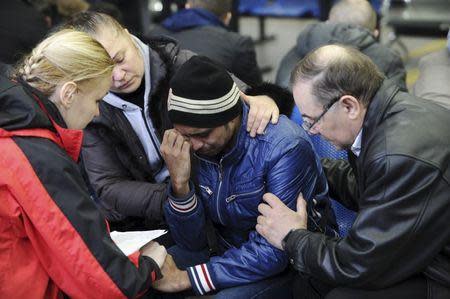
(282, 162)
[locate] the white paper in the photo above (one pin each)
(129, 242)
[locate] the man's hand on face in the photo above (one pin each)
(174, 280)
(262, 110)
(276, 219)
(176, 151)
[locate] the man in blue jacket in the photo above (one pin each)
(217, 203)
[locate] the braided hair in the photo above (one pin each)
(67, 55)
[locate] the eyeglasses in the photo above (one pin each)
(307, 126)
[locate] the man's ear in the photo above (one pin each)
(67, 94)
(351, 105)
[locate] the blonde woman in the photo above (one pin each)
(53, 240)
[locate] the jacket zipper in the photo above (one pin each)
(234, 196)
(207, 189)
(218, 190)
(155, 145)
(219, 166)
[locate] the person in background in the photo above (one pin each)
(434, 75)
(353, 23)
(121, 147)
(202, 28)
(397, 180)
(55, 243)
(21, 28)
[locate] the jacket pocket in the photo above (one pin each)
(245, 195)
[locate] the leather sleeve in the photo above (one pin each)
(341, 181)
(404, 205)
(119, 194)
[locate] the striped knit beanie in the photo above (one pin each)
(203, 95)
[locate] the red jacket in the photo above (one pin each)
(53, 240)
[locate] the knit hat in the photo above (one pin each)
(203, 95)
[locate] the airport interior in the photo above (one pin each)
(225, 149)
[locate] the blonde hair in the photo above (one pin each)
(67, 55)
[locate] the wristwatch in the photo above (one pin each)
(283, 242)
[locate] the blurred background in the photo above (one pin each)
(413, 28)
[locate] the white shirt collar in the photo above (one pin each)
(356, 146)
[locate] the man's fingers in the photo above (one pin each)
(275, 116)
(272, 200)
(301, 203)
(244, 97)
(260, 229)
(251, 121)
(260, 220)
(257, 122)
(264, 209)
(171, 138)
(186, 149)
(265, 118)
(178, 144)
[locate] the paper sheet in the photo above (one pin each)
(129, 242)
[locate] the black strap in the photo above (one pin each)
(211, 236)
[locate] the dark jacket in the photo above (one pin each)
(400, 188)
(114, 158)
(54, 240)
(21, 28)
(282, 162)
(203, 33)
(321, 34)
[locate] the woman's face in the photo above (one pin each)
(82, 104)
(129, 70)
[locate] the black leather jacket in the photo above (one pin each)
(400, 188)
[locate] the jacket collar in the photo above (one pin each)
(46, 121)
(377, 109)
(68, 139)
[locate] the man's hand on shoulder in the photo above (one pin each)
(277, 220)
(262, 110)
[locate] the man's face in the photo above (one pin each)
(129, 69)
(331, 124)
(207, 141)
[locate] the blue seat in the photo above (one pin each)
(280, 8)
(287, 8)
(344, 216)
